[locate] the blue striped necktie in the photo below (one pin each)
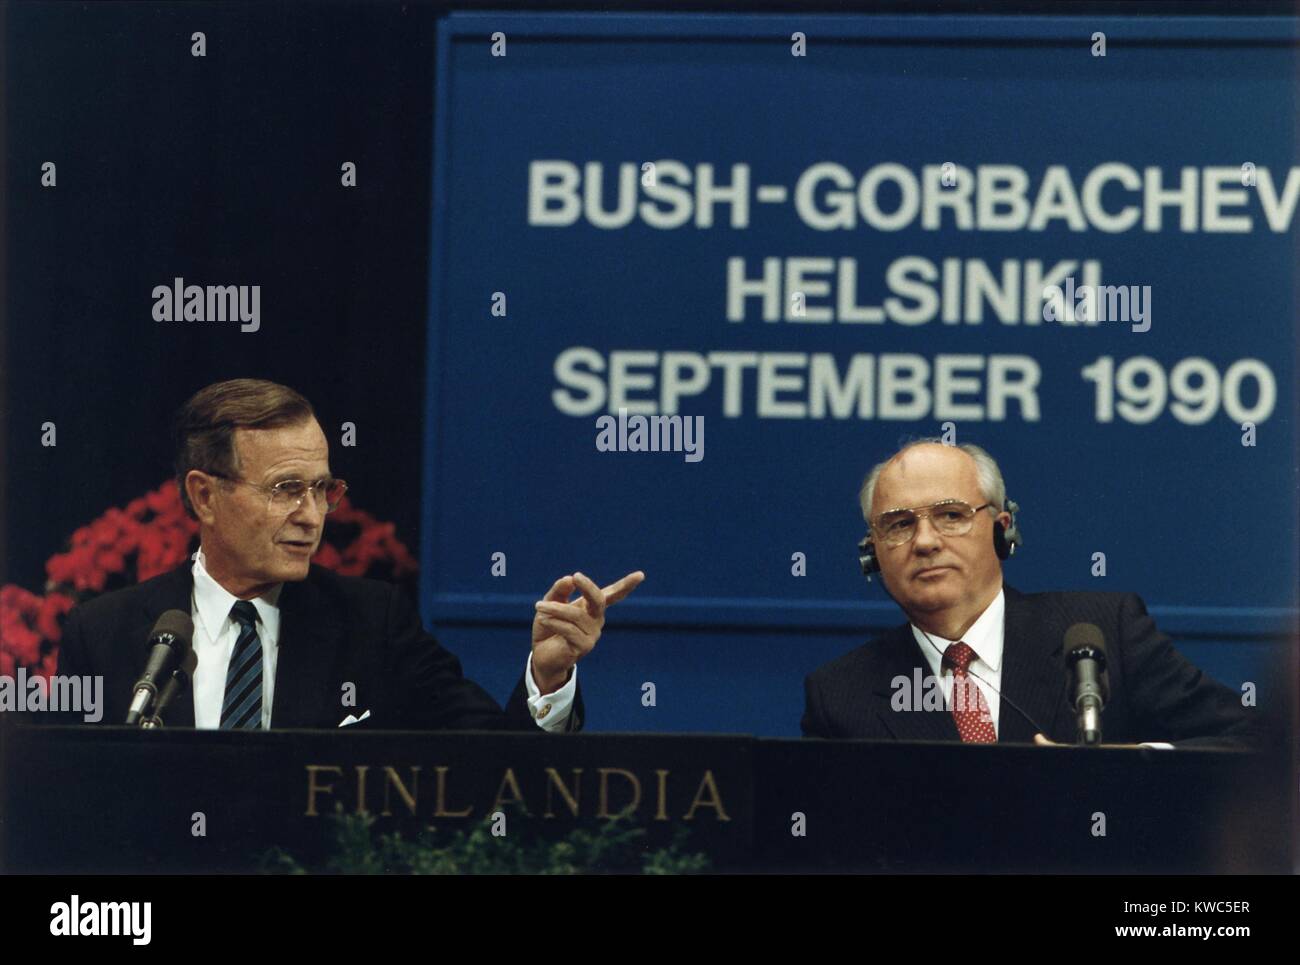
(242, 707)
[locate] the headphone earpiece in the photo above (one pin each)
(1005, 540)
(867, 557)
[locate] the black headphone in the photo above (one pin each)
(1005, 540)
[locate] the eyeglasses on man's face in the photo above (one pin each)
(951, 517)
(288, 495)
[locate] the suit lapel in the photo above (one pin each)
(307, 671)
(1033, 674)
(310, 644)
(903, 659)
(172, 591)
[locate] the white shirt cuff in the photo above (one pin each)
(1158, 745)
(550, 711)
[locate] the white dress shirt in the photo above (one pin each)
(985, 637)
(215, 634)
(216, 631)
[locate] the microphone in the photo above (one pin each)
(180, 677)
(168, 641)
(1085, 654)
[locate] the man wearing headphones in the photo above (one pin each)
(980, 662)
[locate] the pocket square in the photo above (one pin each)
(349, 719)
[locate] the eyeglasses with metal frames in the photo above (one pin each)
(287, 496)
(951, 517)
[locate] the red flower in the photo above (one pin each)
(50, 619)
(164, 497)
(327, 555)
(110, 561)
(49, 666)
(23, 643)
(78, 568)
(105, 531)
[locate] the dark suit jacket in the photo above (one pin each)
(333, 629)
(1155, 693)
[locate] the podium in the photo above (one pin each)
(114, 799)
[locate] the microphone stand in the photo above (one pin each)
(179, 679)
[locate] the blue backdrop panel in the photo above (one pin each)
(551, 306)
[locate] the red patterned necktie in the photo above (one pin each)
(969, 709)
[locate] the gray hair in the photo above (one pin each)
(991, 485)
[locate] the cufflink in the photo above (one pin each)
(546, 709)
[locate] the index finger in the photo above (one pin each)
(621, 588)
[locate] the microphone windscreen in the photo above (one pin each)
(176, 623)
(1084, 635)
(190, 661)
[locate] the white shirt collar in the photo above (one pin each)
(985, 635)
(213, 603)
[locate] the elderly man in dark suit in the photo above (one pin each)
(981, 662)
(281, 643)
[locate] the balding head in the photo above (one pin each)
(987, 472)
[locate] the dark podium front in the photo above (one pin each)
(108, 799)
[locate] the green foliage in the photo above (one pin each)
(615, 847)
